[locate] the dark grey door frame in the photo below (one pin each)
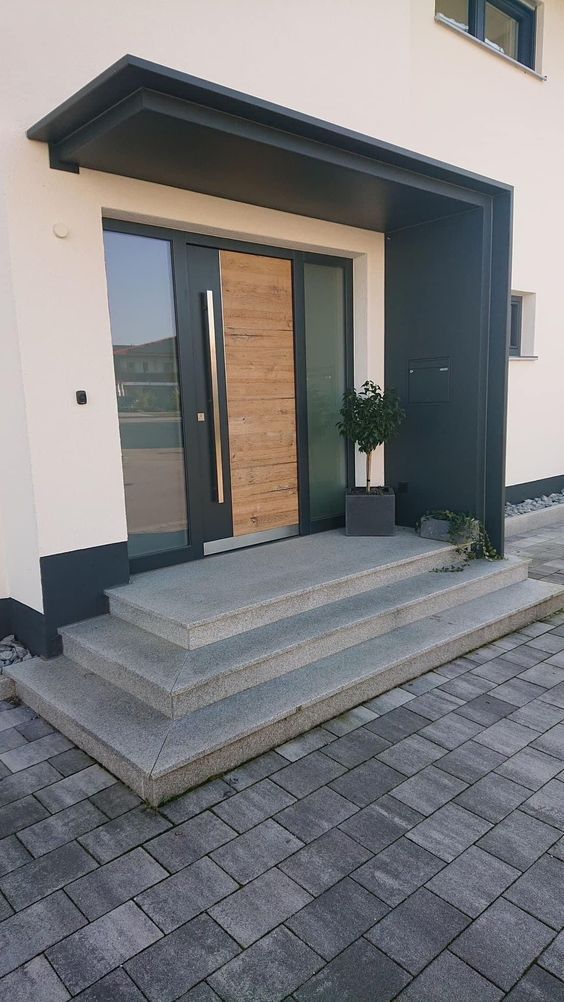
(190, 362)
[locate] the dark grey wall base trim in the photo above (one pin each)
(534, 489)
(5, 617)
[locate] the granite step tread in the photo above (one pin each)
(160, 757)
(176, 681)
(206, 601)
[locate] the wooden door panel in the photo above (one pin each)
(258, 327)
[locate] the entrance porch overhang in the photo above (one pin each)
(447, 249)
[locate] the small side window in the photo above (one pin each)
(516, 325)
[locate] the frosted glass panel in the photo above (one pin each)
(143, 322)
(325, 367)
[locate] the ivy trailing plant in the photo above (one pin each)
(369, 418)
(468, 536)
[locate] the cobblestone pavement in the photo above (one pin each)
(545, 548)
(410, 849)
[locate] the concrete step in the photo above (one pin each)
(159, 757)
(176, 681)
(206, 601)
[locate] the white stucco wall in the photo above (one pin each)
(383, 67)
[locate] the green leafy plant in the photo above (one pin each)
(468, 536)
(369, 418)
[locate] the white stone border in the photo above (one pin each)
(530, 520)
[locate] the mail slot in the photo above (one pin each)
(429, 380)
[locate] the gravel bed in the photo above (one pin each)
(534, 504)
(11, 651)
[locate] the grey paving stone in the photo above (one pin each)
(473, 880)
(389, 701)
(195, 801)
(547, 804)
(21, 784)
(449, 831)
(305, 743)
(433, 705)
(29, 932)
(447, 979)
(540, 891)
(538, 715)
(544, 674)
(360, 974)
(255, 804)
(5, 909)
(365, 783)
(187, 893)
(179, 961)
(115, 800)
(555, 696)
(279, 963)
(115, 987)
(470, 761)
(537, 986)
(201, 993)
(519, 839)
(115, 883)
(315, 814)
(251, 772)
(428, 790)
(451, 731)
(337, 917)
(424, 683)
(398, 871)
(35, 751)
(486, 709)
(506, 736)
(259, 906)
(530, 767)
(518, 691)
(42, 876)
(89, 954)
(468, 686)
(326, 861)
(380, 824)
(36, 728)
(347, 721)
(553, 958)
(502, 943)
(493, 797)
(397, 724)
(75, 788)
(36, 980)
(125, 832)
(61, 828)
(71, 761)
(417, 930)
(12, 854)
(14, 716)
(186, 843)
(20, 814)
(308, 774)
(257, 850)
(11, 738)
(549, 643)
(355, 747)
(552, 742)
(455, 668)
(498, 671)
(411, 754)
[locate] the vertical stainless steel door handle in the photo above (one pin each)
(210, 317)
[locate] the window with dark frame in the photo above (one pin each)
(516, 325)
(507, 26)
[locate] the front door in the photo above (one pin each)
(226, 439)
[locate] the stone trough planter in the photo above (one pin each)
(433, 527)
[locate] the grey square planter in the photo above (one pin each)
(371, 514)
(439, 529)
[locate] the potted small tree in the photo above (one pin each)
(369, 418)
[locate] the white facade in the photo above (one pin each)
(385, 68)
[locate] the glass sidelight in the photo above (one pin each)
(144, 337)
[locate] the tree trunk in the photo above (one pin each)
(368, 465)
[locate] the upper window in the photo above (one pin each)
(516, 324)
(507, 26)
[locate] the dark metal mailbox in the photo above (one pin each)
(428, 380)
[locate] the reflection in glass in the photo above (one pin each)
(143, 322)
(456, 11)
(502, 31)
(325, 367)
